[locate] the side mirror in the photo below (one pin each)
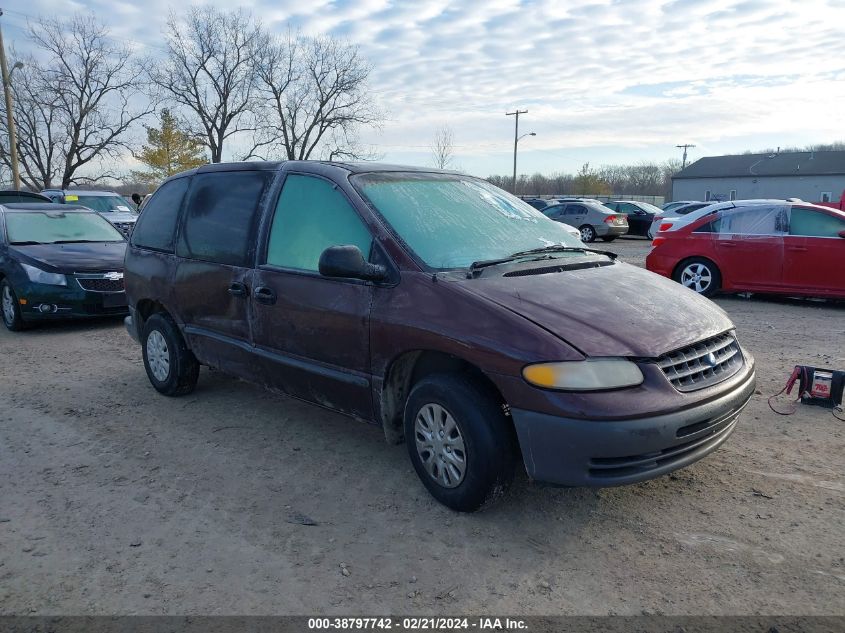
(841, 233)
(348, 262)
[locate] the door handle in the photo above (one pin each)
(796, 248)
(727, 244)
(237, 289)
(264, 295)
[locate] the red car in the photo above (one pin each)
(770, 246)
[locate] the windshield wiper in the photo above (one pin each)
(563, 249)
(79, 241)
(542, 250)
(27, 243)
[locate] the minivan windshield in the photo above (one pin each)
(52, 227)
(102, 204)
(451, 221)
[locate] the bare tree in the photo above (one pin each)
(315, 97)
(210, 72)
(74, 102)
(443, 147)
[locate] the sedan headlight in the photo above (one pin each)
(584, 375)
(43, 277)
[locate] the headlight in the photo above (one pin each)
(43, 277)
(584, 375)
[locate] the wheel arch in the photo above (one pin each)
(408, 368)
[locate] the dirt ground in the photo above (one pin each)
(116, 500)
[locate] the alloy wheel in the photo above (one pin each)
(8, 305)
(440, 445)
(697, 277)
(588, 234)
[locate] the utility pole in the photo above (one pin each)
(685, 147)
(515, 140)
(10, 117)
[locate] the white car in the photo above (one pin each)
(668, 219)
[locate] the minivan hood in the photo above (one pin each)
(617, 310)
(71, 258)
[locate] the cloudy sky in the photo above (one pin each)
(603, 81)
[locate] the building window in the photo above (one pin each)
(733, 194)
(707, 196)
(826, 196)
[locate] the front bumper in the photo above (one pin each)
(40, 302)
(130, 323)
(574, 452)
(611, 230)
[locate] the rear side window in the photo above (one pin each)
(811, 223)
(220, 216)
(156, 226)
(311, 216)
(575, 209)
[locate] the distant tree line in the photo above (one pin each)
(644, 178)
(225, 88)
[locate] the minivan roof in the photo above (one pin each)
(354, 167)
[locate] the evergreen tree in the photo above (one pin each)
(169, 151)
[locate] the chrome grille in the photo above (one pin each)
(124, 227)
(704, 364)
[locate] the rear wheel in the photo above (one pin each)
(171, 367)
(588, 233)
(12, 318)
(460, 442)
(700, 275)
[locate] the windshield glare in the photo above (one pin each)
(48, 227)
(451, 221)
(102, 204)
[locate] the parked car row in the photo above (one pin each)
(765, 246)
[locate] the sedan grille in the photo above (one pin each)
(704, 364)
(101, 284)
(124, 227)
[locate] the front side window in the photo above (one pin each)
(156, 227)
(812, 223)
(59, 227)
(451, 221)
(220, 216)
(312, 215)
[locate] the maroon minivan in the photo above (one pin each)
(443, 309)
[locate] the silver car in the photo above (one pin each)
(110, 205)
(591, 218)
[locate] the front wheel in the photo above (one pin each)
(12, 318)
(460, 442)
(700, 275)
(171, 367)
(588, 233)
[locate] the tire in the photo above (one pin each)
(588, 233)
(480, 446)
(171, 367)
(609, 239)
(10, 308)
(699, 275)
